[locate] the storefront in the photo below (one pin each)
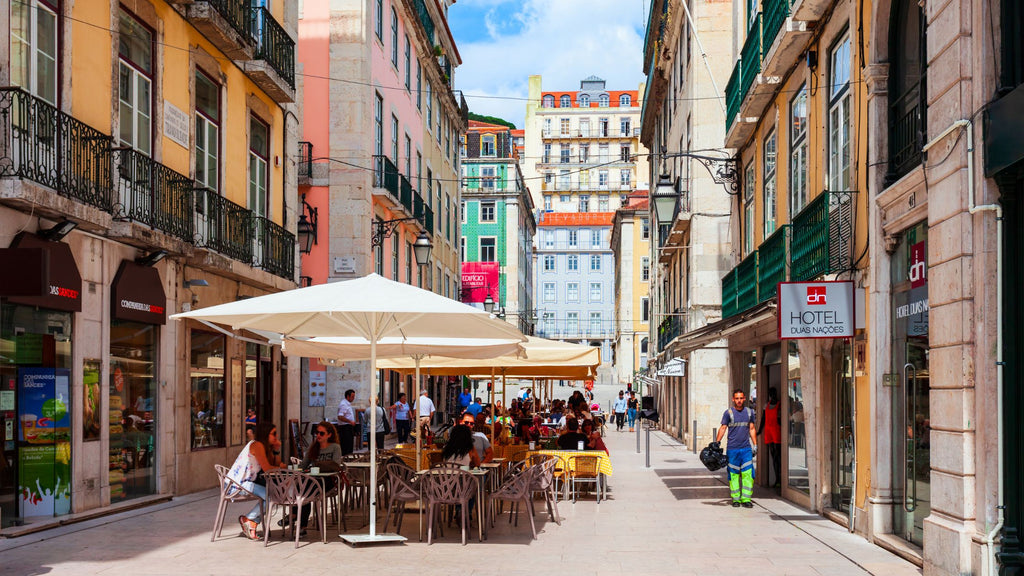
(35, 386)
(137, 311)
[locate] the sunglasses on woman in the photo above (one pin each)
(321, 432)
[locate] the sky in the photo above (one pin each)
(503, 42)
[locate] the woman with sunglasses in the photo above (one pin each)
(258, 456)
(325, 449)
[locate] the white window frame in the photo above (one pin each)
(488, 212)
(798, 154)
(34, 51)
(259, 173)
(207, 167)
(595, 262)
(595, 292)
(549, 293)
(549, 263)
(769, 198)
(645, 268)
(572, 291)
(839, 115)
(488, 145)
(139, 91)
(493, 246)
(573, 263)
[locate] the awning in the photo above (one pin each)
(705, 335)
(64, 291)
(137, 294)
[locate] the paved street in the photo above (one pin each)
(670, 519)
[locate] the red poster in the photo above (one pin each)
(480, 279)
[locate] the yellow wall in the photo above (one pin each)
(93, 94)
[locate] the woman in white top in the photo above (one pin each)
(256, 457)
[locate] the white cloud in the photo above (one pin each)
(562, 40)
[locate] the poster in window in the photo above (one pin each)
(317, 388)
(91, 400)
(237, 415)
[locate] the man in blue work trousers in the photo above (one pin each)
(738, 420)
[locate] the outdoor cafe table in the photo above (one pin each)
(604, 463)
(480, 475)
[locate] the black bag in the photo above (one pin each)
(387, 422)
(713, 458)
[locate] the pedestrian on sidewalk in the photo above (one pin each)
(347, 421)
(465, 399)
(425, 409)
(619, 408)
(738, 420)
(403, 423)
(771, 426)
(632, 405)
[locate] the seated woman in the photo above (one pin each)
(256, 457)
(571, 439)
(325, 454)
(459, 448)
(594, 440)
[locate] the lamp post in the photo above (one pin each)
(307, 227)
(421, 249)
(665, 200)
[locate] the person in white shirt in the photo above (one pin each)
(347, 421)
(424, 408)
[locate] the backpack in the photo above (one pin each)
(732, 417)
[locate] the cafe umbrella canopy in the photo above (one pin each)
(372, 308)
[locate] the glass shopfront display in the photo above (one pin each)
(842, 425)
(35, 413)
(797, 433)
(208, 379)
(911, 427)
(133, 410)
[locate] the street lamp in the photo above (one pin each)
(307, 227)
(665, 199)
(421, 248)
(488, 304)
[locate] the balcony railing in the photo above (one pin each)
(773, 263)
(385, 175)
(305, 166)
(733, 96)
(775, 14)
(38, 142)
(750, 57)
(746, 283)
(155, 195)
(237, 13)
(273, 44)
(274, 248)
(425, 20)
(906, 132)
(822, 233)
(669, 330)
(223, 226)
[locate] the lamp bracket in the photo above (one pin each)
(385, 229)
(724, 171)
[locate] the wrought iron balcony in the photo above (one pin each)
(38, 142)
(273, 44)
(305, 164)
(385, 175)
(274, 247)
(153, 194)
(750, 57)
(729, 295)
(822, 236)
(773, 263)
(775, 13)
(226, 23)
(223, 226)
(906, 132)
(669, 330)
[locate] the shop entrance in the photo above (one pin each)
(259, 383)
(910, 383)
(842, 425)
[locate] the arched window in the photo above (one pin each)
(625, 100)
(643, 346)
(604, 101)
(548, 101)
(583, 101)
(565, 101)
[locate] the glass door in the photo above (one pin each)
(910, 400)
(842, 426)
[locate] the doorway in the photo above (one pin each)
(910, 395)
(842, 425)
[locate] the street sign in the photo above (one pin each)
(816, 310)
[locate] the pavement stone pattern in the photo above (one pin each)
(672, 518)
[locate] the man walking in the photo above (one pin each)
(424, 409)
(741, 448)
(620, 411)
(347, 421)
(465, 399)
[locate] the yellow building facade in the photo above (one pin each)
(630, 243)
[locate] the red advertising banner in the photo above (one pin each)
(480, 279)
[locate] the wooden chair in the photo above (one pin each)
(447, 487)
(288, 488)
(230, 492)
(584, 469)
(518, 491)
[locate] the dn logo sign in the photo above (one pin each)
(918, 273)
(816, 296)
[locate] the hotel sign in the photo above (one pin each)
(816, 310)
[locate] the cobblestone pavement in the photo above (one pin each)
(671, 518)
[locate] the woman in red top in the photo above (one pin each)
(771, 425)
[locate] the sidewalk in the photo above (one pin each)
(670, 519)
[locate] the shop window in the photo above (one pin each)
(132, 381)
(207, 390)
(797, 431)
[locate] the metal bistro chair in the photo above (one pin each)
(517, 490)
(447, 487)
(544, 481)
(287, 488)
(404, 487)
(583, 469)
(230, 492)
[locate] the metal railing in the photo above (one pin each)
(750, 57)
(746, 283)
(153, 194)
(822, 236)
(906, 132)
(273, 44)
(729, 299)
(237, 13)
(305, 164)
(385, 175)
(274, 247)
(406, 193)
(40, 143)
(773, 263)
(669, 330)
(223, 226)
(775, 14)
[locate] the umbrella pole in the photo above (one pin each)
(373, 436)
(494, 413)
(416, 419)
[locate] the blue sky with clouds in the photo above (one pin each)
(503, 42)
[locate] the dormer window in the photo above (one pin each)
(548, 101)
(583, 101)
(625, 100)
(604, 101)
(565, 101)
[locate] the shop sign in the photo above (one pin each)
(816, 310)
(64, 289)
(674, 367)
(138, 294)
(480, 279)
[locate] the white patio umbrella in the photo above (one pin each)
(371, 308)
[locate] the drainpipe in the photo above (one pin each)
(974, 209)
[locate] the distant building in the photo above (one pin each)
(497, 224)
(630, 244)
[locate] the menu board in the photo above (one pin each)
(317, 388)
